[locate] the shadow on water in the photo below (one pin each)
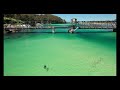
(26, 35)
(107, 39)
(12, 36)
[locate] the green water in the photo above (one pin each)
(65, 54)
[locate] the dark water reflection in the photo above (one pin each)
(106, 39)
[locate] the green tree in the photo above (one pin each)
(33, 18)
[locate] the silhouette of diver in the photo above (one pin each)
(45, 67)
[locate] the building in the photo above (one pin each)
(73, 20)
(38, 25)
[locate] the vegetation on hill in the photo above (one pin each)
(32, 19)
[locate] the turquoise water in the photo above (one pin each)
(64, 30)
(65, 54)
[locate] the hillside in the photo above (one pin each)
(31, 18)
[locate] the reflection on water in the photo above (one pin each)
(106, 39)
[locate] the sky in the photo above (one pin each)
(87, 17)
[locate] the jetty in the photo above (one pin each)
(79, 25)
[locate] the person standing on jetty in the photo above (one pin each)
(53, 29)
(72, 29)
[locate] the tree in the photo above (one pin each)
(33, 18)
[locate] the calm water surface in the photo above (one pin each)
(64, 54)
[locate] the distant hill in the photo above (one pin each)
(31, 18)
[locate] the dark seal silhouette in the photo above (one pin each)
(45, 66)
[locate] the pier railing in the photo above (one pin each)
(80, 24)
(97, 24)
